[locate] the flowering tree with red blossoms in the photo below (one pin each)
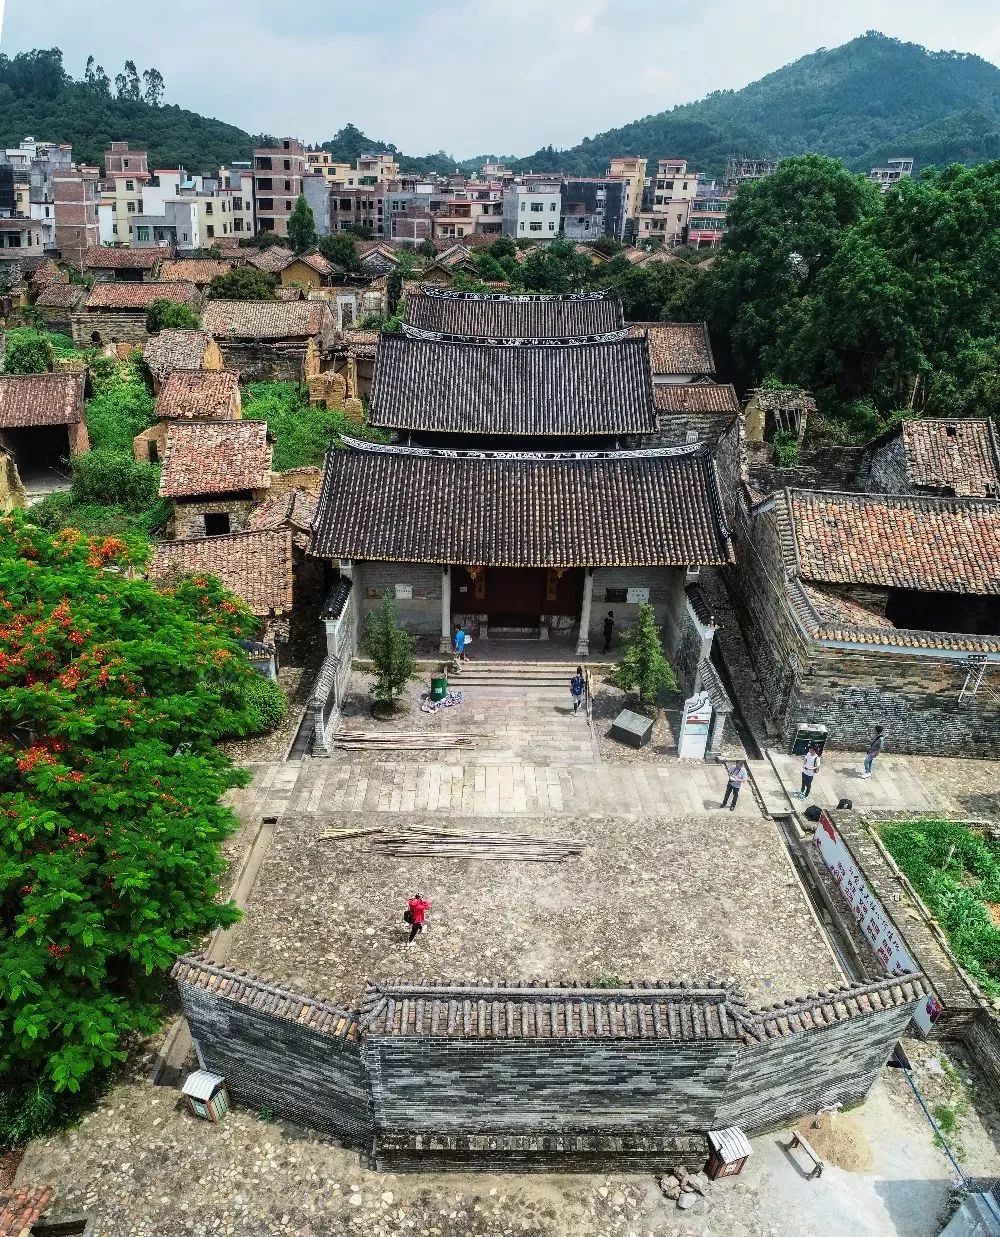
(111, 695)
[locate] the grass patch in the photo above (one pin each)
(302, 435)
(957, 872)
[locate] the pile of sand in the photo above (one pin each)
(840, 1140)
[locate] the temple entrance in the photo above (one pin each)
(517, 596)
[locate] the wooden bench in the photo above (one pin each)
(799, 1140)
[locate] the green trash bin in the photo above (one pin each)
(439, 686)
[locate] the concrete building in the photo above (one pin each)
(667, 204)
(592, 208)
(707, 216)
(632, 170)
(126, 174)
(335, 171)
(533, 211)
(277, 183)
(890, 175)
(75, 200)
(317, 193)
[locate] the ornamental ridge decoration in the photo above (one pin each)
(453, 337)
(647, 453)
(450, 294)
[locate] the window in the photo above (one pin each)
(130, 186)
(264, 183)
(521, 227)
(237, 203)
(537, 206)
(142, 233)
(14, 240)
(124, 163)
(288, 186)
(237, 225)
(553, 205)
(114, 229)
(208, 208)
(522, 204)
(216, 523)
(210, 230)
(552, 225)
(534, 227)
(131, 207)
(265, 204)
(288, 205)
(288, 165)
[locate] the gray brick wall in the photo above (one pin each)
(260, 363)
(884, 470)
(112, 328)
(189, 517)
(666, 595)
(421, 616)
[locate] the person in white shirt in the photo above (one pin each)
(810, 767)
(738, 775)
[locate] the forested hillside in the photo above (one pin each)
(38, 97)
(870, 98)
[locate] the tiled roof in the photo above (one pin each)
(958, 457)
(695, 397)
(40, 399)
(215, 457)
(255, 565)
(295, 509)
(823, 1009)
(176, 349)
(195, 270)
(110, 258)
(289, 292)
(949, 545)
(112, 294)
(677, 347)
(61, 296)
(322, 1016)
(47, 272)
(675, 1012)
(531, 389)
(513, 317)
(361, 343)
(318, 263)
(198, 393)
(627, 509)
(265, 319)
(21, 1209)
(835, 610)
(271, 260)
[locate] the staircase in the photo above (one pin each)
(533, 675)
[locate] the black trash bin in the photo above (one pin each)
(807, 736)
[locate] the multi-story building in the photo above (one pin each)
(336, 171)
(360, 208)
(742, 168)
(193, 212)
(667, 203)
(126, 174)
(33, 165)
(238, 180)
(372, 169)
(75, 197)
(632, 170)
(277, 174)
(592, 208)
(707, 217)
(532, 211)
(894, 171)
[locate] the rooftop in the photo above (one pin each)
(513, 388)
(677, 348)
(265, 319)
(195, 270)
(215, 457)
(272, 260)
(256, 565)
(176, 349)
(659, 507)
(115, 294)
(954, 457)
(198, 394)
(111, 258)
(480, 316)
(680, 397)
(61, 296)
(41, 399)
(948, 545)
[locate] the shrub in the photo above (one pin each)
(302, 434)
(244, 283)
(260, 705)
(114, 480)
(786, 448)
(28, 352)
(167, 315)
(643, 667)
(391, 649)
(121, 408)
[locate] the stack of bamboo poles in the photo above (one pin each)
(377, 740)
(433, 842)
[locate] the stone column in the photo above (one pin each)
(583, 640)
(445, 610)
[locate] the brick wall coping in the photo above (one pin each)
(834, 1005)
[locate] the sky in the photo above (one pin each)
(467, 76)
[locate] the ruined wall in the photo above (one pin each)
(189, 517)
(259, 362)
(111, 328)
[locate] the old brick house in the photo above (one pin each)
(216, 472)
(865, 609)
(678, 351)
(126, 265)
(934, 457)
(57, 303)
(271, 341)
(42, 425)
(199, 271)
(179, 349)
(189, 395)
(116, 312)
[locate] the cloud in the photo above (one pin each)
(469, 76)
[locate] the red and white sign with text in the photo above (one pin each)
(870, 914)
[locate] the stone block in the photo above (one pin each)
(632, 728)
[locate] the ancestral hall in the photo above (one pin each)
(506, 499)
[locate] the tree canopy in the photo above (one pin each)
(302, 226)
(244, 283)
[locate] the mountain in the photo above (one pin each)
(870, 98)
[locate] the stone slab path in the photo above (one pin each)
(898, 782)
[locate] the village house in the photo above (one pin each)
(126, 265)
(271, 341)
(216, 472)
(785, 411)
(199, 271)
(875, 609)
(957, 457)
(189, 395)
(116, 312)
(57, 303)
(678, 351)
(308, 271)
(42, 428)
(19, 239)
(256, 566)
(270, 260)
(179, 349)
(519, 511)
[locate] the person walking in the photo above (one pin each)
(738, 776)
(415, 915)
(577, 686)
(609, 631)
(810, 767)
(874, 748)
(459, 641)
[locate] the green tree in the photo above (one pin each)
(394, 291)
(244, 283)
(341, 249)
(164, 315)
(302, 226)
(28, 352)
(112, 696)
(427, 250)
(643, 666)
(114, 479)
(152, 87)
(391, 650)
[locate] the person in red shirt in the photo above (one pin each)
(416, 913)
